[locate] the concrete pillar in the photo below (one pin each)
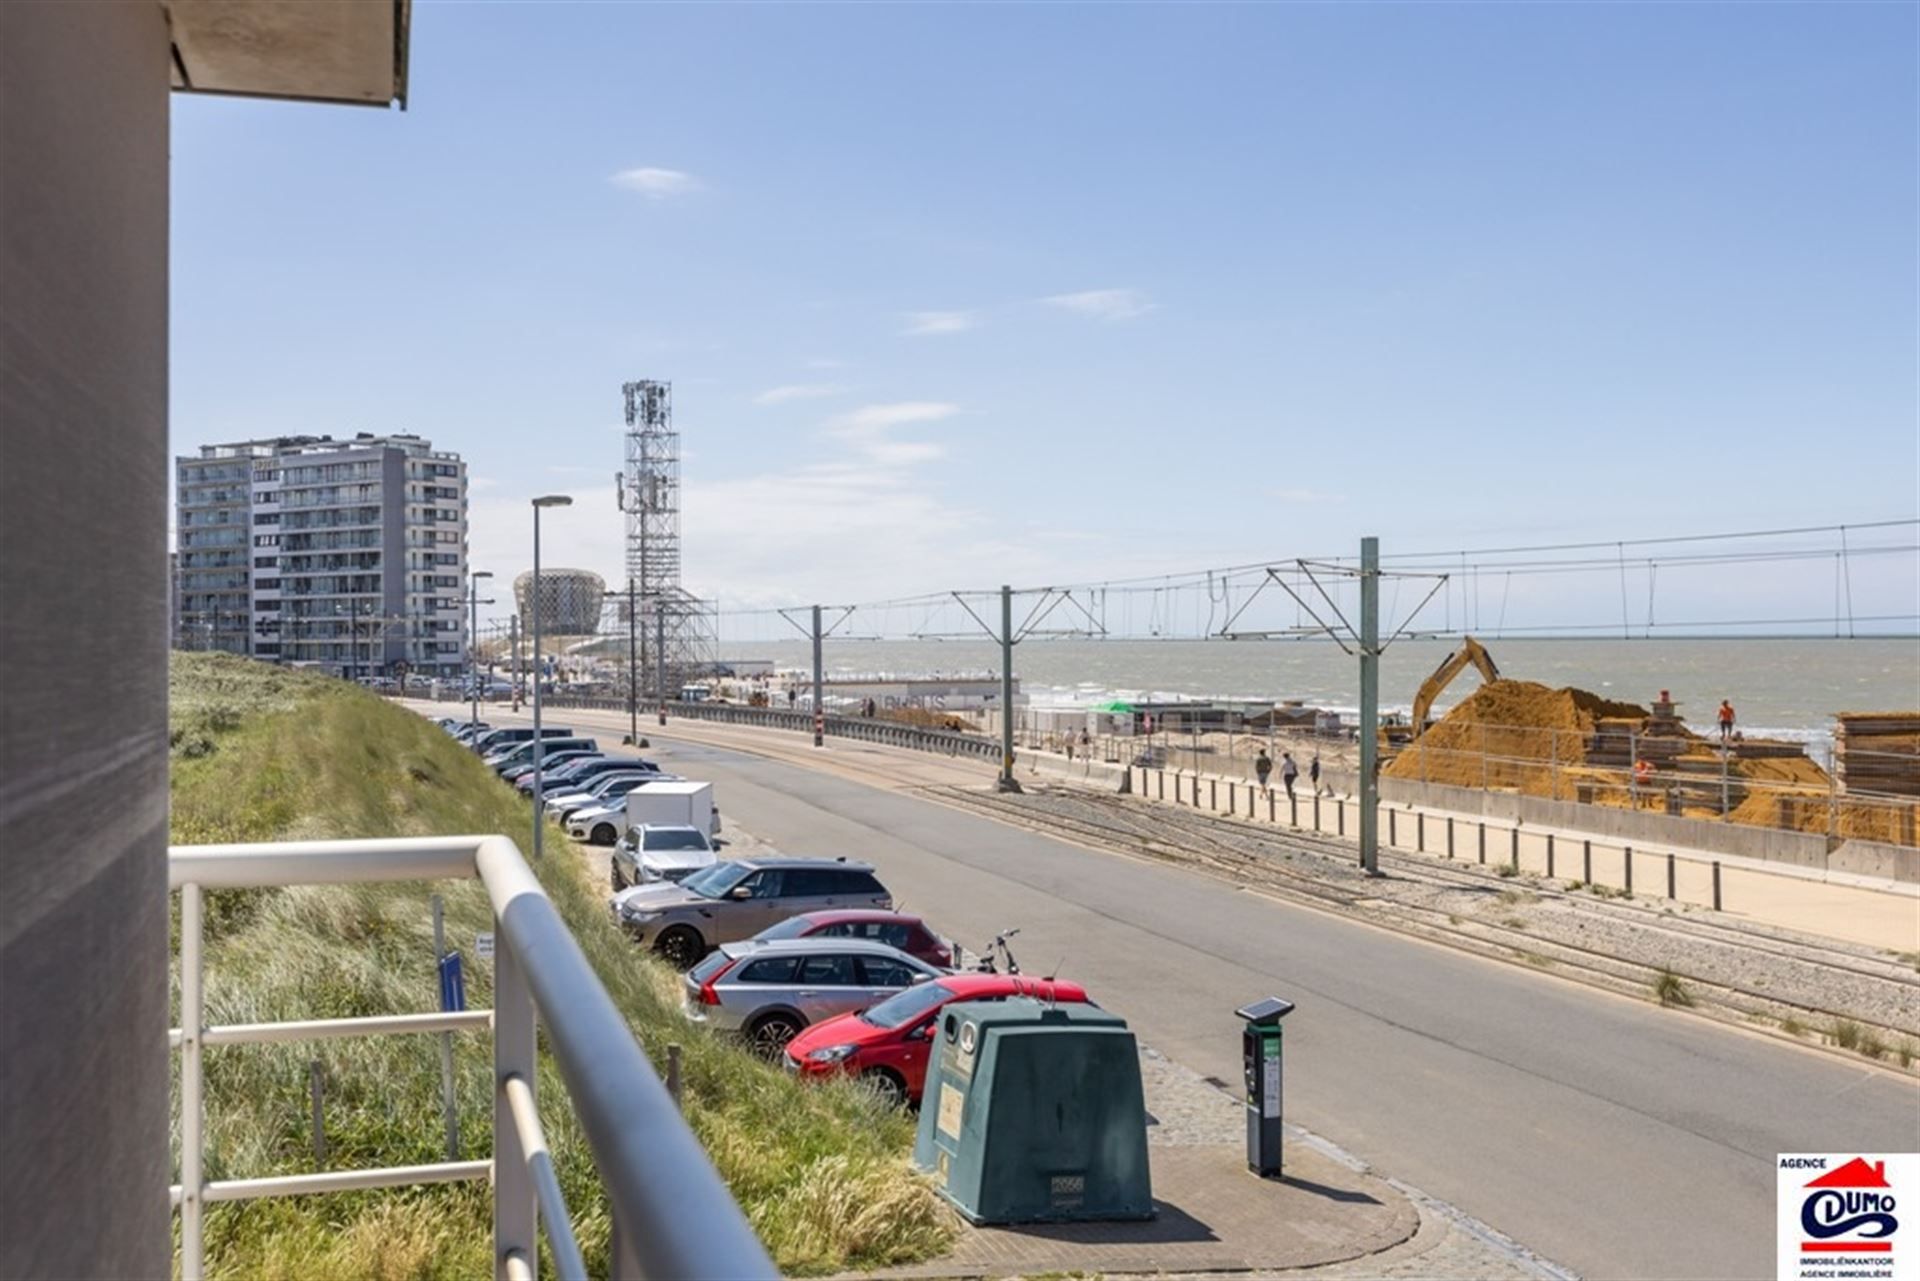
(83, 639)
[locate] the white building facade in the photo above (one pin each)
(349, 555)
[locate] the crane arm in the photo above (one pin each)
(1470, 651)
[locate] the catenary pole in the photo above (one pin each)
(819, 707)
(473, 642)
(660, 654)
(1370, 705)
(1007, 782)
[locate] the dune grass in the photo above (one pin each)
(263, 754)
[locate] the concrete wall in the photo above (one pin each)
(84, 1162)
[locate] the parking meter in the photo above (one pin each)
(1260, 1056)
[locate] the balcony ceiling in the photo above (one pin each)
(345, 51)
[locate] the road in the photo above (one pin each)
(1615, 1138)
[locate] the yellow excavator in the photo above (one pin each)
(1470, 651)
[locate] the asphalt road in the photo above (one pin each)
(1615, 1138)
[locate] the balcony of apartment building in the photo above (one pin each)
(84, 297)
(361, 517)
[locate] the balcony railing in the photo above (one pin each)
(672, 1215)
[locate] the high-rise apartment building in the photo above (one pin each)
(345, 554)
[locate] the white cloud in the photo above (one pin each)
(940, 322)
(1104, 304)
(863, 519)
(656, 184)
(796, 391)
(867, 431)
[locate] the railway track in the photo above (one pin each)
(1320, 872)
(1854, 960)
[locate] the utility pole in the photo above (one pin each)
(819, 707)
(660, 653)
(1006, 782)
(513, 657)
(1370, 705)
(633, 662)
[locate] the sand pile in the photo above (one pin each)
(1518, 735)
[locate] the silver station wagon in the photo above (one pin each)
(770, 992)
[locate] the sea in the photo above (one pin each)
(1787, 688)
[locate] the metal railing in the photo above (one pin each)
(867, 729)
(672, 1215)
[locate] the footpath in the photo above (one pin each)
(1331, 1215)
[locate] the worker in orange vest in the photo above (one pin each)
(1642, 772)
(1726, 720)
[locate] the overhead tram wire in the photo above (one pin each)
(1466, 566)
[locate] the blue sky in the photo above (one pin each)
(958, 295)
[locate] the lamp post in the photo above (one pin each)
(548, 500)
(473, 640)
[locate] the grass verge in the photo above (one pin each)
(264, 754)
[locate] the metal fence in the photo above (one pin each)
(863, 729)
(1644, 775)
(672, 1215)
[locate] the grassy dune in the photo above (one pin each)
(263, 754)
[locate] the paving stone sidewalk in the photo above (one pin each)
(1329, 1216)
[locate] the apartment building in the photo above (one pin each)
(346, 554)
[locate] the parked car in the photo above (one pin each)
(552, 759)
(495, 739)
(522, 753)
(684, 920)
(466, 734)
(608, 789)
(771, 992)
(661, 852)
(557, 767)
(889, 1044)
(580, 772)
(896, 929)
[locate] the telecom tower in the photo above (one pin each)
(650, 497)
(651, 490)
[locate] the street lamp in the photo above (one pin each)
(473, 641)
(548, 500)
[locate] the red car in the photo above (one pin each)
(889, 1044)
(895, 929)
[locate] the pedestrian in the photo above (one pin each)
(793, 695)
(1086, 744)
(1313, 773)
(1288, 772)
(1726, 720)
(1262, 766)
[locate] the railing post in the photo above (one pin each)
(192, 1022)
(515, 1211)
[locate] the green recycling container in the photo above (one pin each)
(1033, 1113)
